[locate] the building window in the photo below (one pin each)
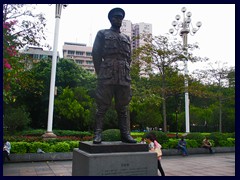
(79, 53)
(79, 61)
(36, 56)
(88, 53)
(90, 70)
(71, 52)
(43, 57)
(89, 62)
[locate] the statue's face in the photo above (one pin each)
(117, 21)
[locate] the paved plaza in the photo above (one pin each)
(219, 164)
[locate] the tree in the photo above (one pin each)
(222, 78)
(72, 109)
(29, 27)
(18, 30)
(156, 55)
(16, 118)
(69, 74)
(147, 111)
(34, 93)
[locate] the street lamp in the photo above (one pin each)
(178, 102)
(49, 133)
(177, 124)
(185, 26)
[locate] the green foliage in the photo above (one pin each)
(198, 137)
(19, 147)
(217, 137)
(138, 139)
(137, 133)
(73, 109)
(71, 75)
(146, 104)
(73, 144)
(42, 145)
(191, 143)
(32, 132)
(212, 142)
(170, 144)
(71, 133)
(111, 135)
(200, 116)
(21, 26)
(160, 136)
(34, 93)
(16, 118)
(61, 147)
(230, 142)
(47, 146)
(36, 136)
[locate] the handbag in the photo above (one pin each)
(158, 151)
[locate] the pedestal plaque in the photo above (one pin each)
(113, 162)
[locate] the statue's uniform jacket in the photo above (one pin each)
(112, 57)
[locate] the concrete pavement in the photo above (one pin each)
(218, 164)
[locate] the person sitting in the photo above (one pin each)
(182, 144)
(207, 144)
(6, 150)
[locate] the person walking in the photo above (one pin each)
(153, 145)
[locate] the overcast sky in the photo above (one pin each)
(80, 23)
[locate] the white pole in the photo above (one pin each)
(185, 29)
(53, 73)
(186, 99)
(53, 76)
(186, 83)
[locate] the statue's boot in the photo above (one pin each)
(124, 126)
(97, 139)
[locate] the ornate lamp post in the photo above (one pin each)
(49, 133)
(185, 26)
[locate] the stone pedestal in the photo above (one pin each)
(113, 159)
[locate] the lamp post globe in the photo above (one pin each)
(185, 27)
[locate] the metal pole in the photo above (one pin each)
(49, 132)
(185, 29)
(177, 124)
(220, 115)
(184, 36)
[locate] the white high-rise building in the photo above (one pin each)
(134, 30)
(126, 28)
(141, 28)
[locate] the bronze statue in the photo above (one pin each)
(112, 57)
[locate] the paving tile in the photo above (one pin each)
(219, 164)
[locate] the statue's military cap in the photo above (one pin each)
(116, 12)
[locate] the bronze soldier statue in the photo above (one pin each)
(112, 57)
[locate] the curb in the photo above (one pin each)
(61, 156)
(172, 152)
